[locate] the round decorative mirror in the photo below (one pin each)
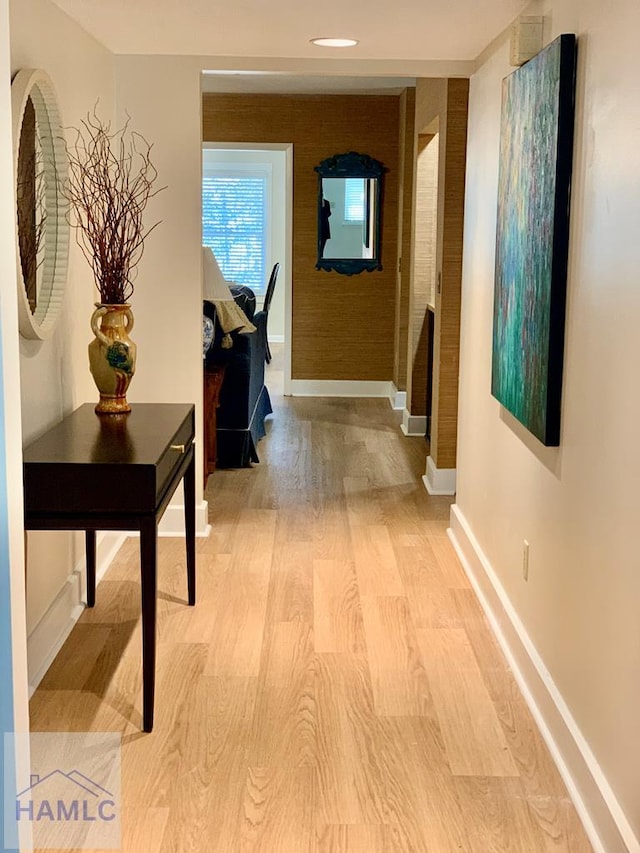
(40, 169)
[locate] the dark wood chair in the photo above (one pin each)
(267, 303)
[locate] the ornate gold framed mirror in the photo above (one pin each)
(40, 169)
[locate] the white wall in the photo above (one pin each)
(54, 374)
(14, 712)
(577, 505)
(162, 96)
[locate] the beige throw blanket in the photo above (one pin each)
(216, 290)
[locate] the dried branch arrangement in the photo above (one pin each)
(111, 180)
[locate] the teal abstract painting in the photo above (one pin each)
(536, 148)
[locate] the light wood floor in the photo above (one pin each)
(336, 687)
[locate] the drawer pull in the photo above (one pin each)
(178, 447)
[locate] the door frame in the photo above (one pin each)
(14, 702)
(287, 147)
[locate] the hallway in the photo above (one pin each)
(336, 687)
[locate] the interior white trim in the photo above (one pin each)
(288, 281)
(335, 66)
(51, 632)
(275, 339)
(413, 424)
(339, 388)
(602, 816)
(397, 399)
(172, 522)
(439, 481)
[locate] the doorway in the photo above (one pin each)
(430, 350)
(248, 222)
(423, 294)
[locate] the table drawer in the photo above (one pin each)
(111, 465)
(174, 455)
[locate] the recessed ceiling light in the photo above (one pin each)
(331, 42)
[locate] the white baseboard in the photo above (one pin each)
(275, 339)
(339, 388)
(413, 424)
(439, 481)
(397, 399)
(50, 634)
(602, 816)
(172, 522)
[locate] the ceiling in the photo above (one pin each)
(401, 30)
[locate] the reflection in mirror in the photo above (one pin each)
(349, 213)
(350, 233)
(31, 204)
(40, 167)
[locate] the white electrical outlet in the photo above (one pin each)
(525, 559)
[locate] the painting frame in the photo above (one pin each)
(532, 238)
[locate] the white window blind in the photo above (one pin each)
(234, 225)
(354, 200)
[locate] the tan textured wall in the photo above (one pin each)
(342, 326)
(445, 102)
(448, 310)
(427, 216)
(405, 235)
(430, 117)
(424, 265)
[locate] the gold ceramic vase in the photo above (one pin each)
(112, 356)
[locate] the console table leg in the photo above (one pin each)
(148, 568)
(190, 525)
(90, 546)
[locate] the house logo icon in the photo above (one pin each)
(65, 797)
(73, 797)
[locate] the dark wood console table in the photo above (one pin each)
(117, 472)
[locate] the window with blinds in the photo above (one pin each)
(234, 224)
(354, 200)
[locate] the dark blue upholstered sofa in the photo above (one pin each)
(244, 398)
